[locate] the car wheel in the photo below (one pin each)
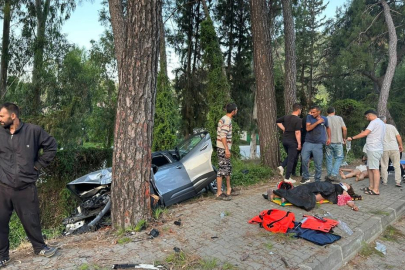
(213, 186)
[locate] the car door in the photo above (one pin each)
(197, 160)
(171, 179)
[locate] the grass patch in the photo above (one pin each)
(158, 212)
(123, 240)
(392, 234)
(269, 246)
(141, 225)
(368, 250)
(208, 264)
(84, 266)
(181, 260)
(228, 266)
(380, 213)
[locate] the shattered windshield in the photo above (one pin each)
(187, 145)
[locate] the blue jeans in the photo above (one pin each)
(334, 151)
(317, 151)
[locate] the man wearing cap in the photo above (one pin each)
(375, 133)
(392, 149)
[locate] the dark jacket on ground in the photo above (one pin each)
(20, 161)
(304, 195)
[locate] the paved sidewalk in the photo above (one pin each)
(230, 239)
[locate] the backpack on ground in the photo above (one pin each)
(275, 220)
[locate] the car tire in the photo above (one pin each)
(213, 186)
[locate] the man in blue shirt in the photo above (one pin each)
(318, 134)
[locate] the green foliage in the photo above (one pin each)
(141, 225)
(352, 112)
(245, 173)
(167, 117)
(17, 233)
(123, 240)
(158, 212)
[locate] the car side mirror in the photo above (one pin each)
(154, 168)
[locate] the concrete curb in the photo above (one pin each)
(341, 253)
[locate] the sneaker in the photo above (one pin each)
(292, 181)
(280, 170)
(48, 251)
(4, 262)
(331, 178)
(304, 181)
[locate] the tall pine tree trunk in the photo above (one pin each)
(136, 38)
(266, 97)
(290, 75)
(42, 11)
(4, 49)
(392, 63)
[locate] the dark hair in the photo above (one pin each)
(316, 107)
(230, 107)
(11, 108)
(297, 107)
(330, 110)
(350, 191)
(371, 111)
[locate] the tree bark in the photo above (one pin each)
(163, 57)
(42, 11)
(290, 75)
(136, 38)
(392, 63)
(5, 48)
(266, 97)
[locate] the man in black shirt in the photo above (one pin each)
(291, 127)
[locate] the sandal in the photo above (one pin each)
(223, 197)
(371, 192)
(365, 189)
(234, 192)
(398, 185)
(265, 196)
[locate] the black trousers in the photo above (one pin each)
(26, 204)
(291, 150)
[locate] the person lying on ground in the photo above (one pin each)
(306, 196)
(360, 172)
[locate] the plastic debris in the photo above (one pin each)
(344, 227)
(176, 249)
(328, 214)
(154, 233)
(177, 222)
(222, 215)
(381, 248)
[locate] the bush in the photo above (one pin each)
(246, 173)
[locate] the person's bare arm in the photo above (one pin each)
(329, 135)
(281, 126)
(360, 135)
(352, 206)
(298, 138)
(225, 143)
(399, 139)
(344, 132)
(312, 126)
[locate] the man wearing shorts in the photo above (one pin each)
(375, 133)
(224, 144)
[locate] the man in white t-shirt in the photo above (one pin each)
(392, 149)
(375, 133)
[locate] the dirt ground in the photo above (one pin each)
(369, 258)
